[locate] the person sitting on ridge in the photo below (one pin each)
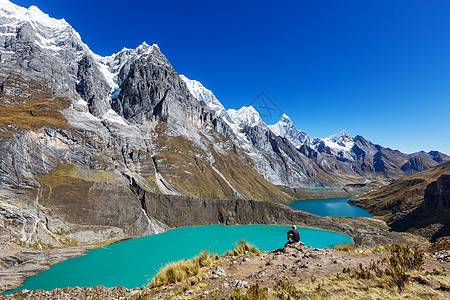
(293, 235)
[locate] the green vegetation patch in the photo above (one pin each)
(69, 170)
(27, 104)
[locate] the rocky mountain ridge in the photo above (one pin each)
(349, 159)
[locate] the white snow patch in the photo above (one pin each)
(33, 13)
(341, 141)
(246, 116)
(112, 116)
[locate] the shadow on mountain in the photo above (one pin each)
(432, 218)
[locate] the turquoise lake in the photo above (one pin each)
(334, 207)
(133, 263)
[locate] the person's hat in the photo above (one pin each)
(294, 227)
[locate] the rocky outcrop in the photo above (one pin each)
(414, 164)
(437, 195)
(178, 211)
(92, 86)
(151, 90)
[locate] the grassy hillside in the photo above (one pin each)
(402, 195)
(27, 104)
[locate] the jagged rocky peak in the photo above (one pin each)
(246, 117)
(285, 128)
(147, 84)
(206, 96)
(117, 60)
(149, 89)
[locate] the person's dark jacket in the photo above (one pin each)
(295, 235)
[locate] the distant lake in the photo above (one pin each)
(335, 207)
(133, 262)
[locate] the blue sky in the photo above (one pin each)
(380, 69)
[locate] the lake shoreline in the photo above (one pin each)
(19, 263)
(141, 258)
(14, 277)
(26, 262)
(31, 262)
(193, 210)
(264, 269)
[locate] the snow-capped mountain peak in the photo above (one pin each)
(282, 127)
(246, 116)
(49, 34)
(339, 141)
(200, 92)
(285, 128)
(111, 65)
(33, 13)
(341, 137)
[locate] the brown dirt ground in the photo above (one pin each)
(295, 262)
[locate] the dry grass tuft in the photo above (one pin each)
(182, 270)
(176, 272)
(255, 292)
(345, 247)
(205, 259)
(241, 248)
(442, 243)
(352, 248)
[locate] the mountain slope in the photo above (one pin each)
(430, 219)
(401, 195)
